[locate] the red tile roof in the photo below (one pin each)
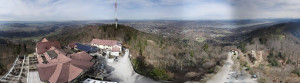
(72, 45)
(46, 70)
(42, 47)
(74, 72)
(81, 56)
(105, 42)
(115, 49)
(62, 68)
(82, 64)
(54, 77)
(44, 40)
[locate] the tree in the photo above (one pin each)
(25, 48)
(159, 74)
(192, 53)
(242, 46)
(205, 47)
(280, 55)
(263, 40)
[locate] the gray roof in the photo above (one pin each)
(52, 54)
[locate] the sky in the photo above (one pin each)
(75, 10)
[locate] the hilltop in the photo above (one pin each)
(154, 56)
(160, 58)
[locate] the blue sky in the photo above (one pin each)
(71, 10)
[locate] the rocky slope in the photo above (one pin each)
(279, 44)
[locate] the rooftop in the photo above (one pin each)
(60, 68)
(45, 45)
(115, 49)
(86, 48)
(105, 42)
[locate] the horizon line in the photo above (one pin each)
(155, 20)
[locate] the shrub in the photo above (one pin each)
(263, 40)
(205, 47)
(272, 59)
(248, 68)
(211, 70)
(2, 69)
(138, 65)
(242, 46)
(280, 55)
(297, 72)
(273, 62)
(158, 74)
(192, 53)
(154, 73)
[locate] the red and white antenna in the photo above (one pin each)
(116, 18)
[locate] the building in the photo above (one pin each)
(72, 45)
(81, 56)
(45, 45)
(55, 66)
(115, 51)
(111, 45)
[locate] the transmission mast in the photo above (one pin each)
(116, 17)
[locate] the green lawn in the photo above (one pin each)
(201, 39)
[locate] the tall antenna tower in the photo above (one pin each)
(116, 17)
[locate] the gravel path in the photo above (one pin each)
(227, 75)
(123, 72)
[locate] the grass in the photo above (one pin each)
(201, 39)
(281, 37)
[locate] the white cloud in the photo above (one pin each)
(45, 10)
(59, 10)
(253, 9)
(175, 10)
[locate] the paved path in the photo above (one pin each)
(33, 77)
(123, 72)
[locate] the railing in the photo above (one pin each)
(22, 68)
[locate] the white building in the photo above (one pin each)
(111, 45)
(115, 51)
(89, 80)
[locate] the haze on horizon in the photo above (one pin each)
(67, 10)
